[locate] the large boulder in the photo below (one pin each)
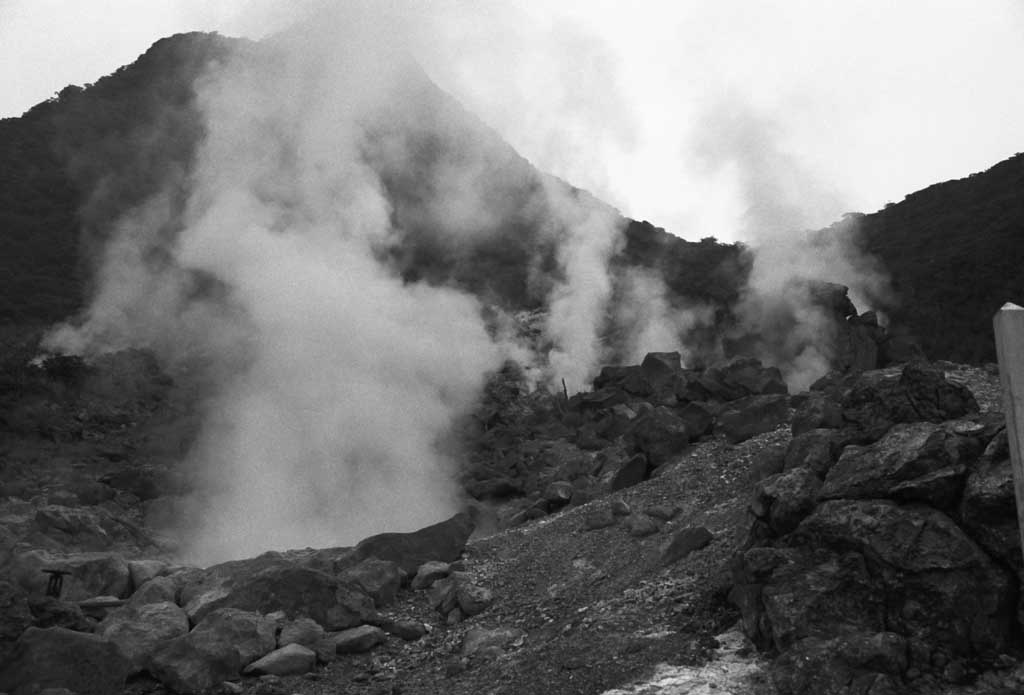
(817, 411)
(188, 666)
(868, 663)
(816, 450)
(381, 579)
(139, 630)
(298, 591)
(250, 633)
(443, 541)
(90, 574)
(751, 416)
(59, 658)
(939, 585)
(989, 510)
(912, 462)
(660, 435)
(782, 501)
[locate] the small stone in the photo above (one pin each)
(685, 542)
(641, 525)
(664, 512)
(599, 517)
(304, 631)
(474, 599)
(289, 660)
(408, 630)
(620, 508)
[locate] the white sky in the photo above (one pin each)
(855, 103)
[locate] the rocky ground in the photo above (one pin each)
(671, 531)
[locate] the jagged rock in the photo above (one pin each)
(660, 434)
(748, 374)
(443, 595)
(912, 462)
(989, 508)
(782, 501)
(473, 599)
(298, 591)
(939, 584)
(251, 634)
(878, 400)
(815, 450)
(304, 631)
(632, 472)
(190, 667)
(59, 658)
(430, 572)
(751, 416)
(141, 571)
(289, 660)
(860, 662)
(488, 643)
(698, 418)
(713, 385)
(156, 590)
(381, 579)
(685, 542)
(91, 574)
(444, 541)
(358, 639)
(138, 630)
(818, 411)
(787, 594)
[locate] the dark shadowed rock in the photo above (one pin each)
(685, 542)
(940, 585)
(59, 658)
(600, 516)
(914, 462)
(54, 612)
(358, 639)
(787, 594)
(815, 450)
(444, 541)
(304, 631)
(697, 417)
(298, 591)
(408, 630)
(381, 579)
(782, 501)
(632, 472)
(473, 599)
(989, 510)
(289, 660)
(817, 411)
(139, 630)
(751, 416)
(660, 434)
(15, 616)
(860, 662)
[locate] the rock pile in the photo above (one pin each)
(193, 629)
(886, 550)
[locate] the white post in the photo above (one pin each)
(1009, 329)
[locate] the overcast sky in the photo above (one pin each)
(671, 111)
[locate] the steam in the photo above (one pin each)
(784, 201)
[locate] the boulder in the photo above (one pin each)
(59, 658)
(921, 453)
(473, 599)
(251, 634)
(298, 591)
(632, 472)
(558, 494)
(381, 579)
(443, 541)
(304, 631)
(430, 572)
(698, 418)
(443, 594)
(156, 590)
(357, 639)
(660, 434)
(751, 416)
(53, 612)
(141, 571)
(988, 510)
(139, 630)
(815, 450)
(408, 630)
(289, 660)
(748, 374)
(859, 662)
(641, 525)
(787, 594)
(817, 411)
(190, 667)
(91, 574)
(940, 586)
(685, 542)
(599, 516)
(782, 501)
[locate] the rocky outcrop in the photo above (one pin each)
(137, 631)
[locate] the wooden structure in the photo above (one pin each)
(1009, 330)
